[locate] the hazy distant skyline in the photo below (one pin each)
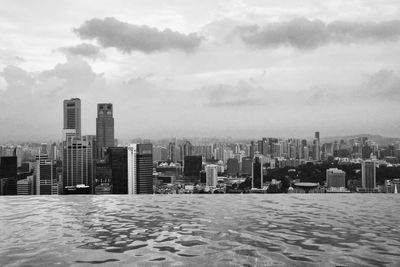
(209, 68)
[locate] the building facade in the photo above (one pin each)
(104, 128)
(78, 166)
(211, 175)
(72, 116)
(335, 178)
(368, 175)
(257, 172)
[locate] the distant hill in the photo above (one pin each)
(380, 140)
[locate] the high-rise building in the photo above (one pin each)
(247, 164)
(144, 168)
(104, 128)
(257, 172)
(233, 167)
(211, 175)
(131, 169)
(78, 166)
(368, 175)
(8, 174)
(317, 148)
(335, 178)
(25, 186)
(72, 117)
(46, 176)
(118, 161)
(252, 149)
(192, 166)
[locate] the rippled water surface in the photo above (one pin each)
(207, 230)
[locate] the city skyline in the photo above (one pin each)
(242, 68)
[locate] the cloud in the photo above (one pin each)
(241, 94)
(43, 92)
(306, 34)
(84, 49)
(384, 84)
(110, 32)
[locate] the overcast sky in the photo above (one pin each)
(201, 68)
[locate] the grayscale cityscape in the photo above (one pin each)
(223, 133)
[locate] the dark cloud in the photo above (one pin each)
(87, 50)
(308, 34)
(110, 32)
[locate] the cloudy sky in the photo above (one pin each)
(201, 68)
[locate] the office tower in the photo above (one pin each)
(368, 175)
(8, 174)
(93, 140)
(335, 178)
(252, 149)
(46, 176)
(78, 166)
(211, 175)
(247, 164)
(8, 167)
(233, 167)
(317, 148)
(117, 158)
(257, 172)
(131, 169)
(104, 128)
(72, 117)
(103, 172)
(192, 167)
(144, 168)
(260, 146)
(25, 186)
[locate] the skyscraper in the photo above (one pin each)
(211, 175)
(192, 166)
(368, 175)
(317, 148)
(118, 161)
(257, 172)
(77, 164)
(247, 166)
(8, 175)
(46, 176)
(104, 128)
(233, 167)
(252, 149)
(131, 169)
(72, 116)
(144, 168)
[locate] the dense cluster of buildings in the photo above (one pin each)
(97, 164)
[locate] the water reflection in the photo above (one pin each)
(212, 230)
